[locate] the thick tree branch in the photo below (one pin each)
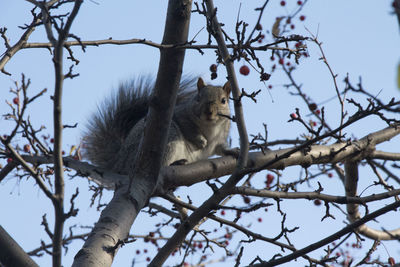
(116, 219)
(196, 172)
(385, 155)
(11, 254)
(316, 154)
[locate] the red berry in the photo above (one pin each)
(281, 61)
(148, 259)
(269, 86)
(302, 17)
(214, 75)
(262, 36)
(145, 250)
(16, 100)
(226, 242)
(313, 123)
(317, 202)
(293, 115)
(270, 178)
(283, 3)
(137, 251)
(330, 175)
(213, 68)
(52, 140)
(27, 148)
(200, 245)
(299, 3)
(391, 261)
(222, 212)
(9, 160)
(288, 64)
(246, 200)
(292, 26)
(244, 70)
(228, 236)
(259, 219)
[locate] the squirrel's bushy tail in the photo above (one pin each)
(107, 128)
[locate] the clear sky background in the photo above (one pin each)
(360, 38)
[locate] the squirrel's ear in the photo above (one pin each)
(200, 83)
(227, 87)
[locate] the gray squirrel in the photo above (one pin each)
(199, 128)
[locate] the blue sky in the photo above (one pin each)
(360, 38)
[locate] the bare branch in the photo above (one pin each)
(332, 237)
(351, 171)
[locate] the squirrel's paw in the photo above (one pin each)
(200, 142)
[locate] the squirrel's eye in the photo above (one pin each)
(223, 100)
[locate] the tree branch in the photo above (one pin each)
(117, 218)
(331, 238)
(19, 45)
(351, 181)
(11, 254)
(181, 233)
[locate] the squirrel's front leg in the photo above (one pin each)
(200, 141)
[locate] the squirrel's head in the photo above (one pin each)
(212, 101)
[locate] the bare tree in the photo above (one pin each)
(327, 147)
